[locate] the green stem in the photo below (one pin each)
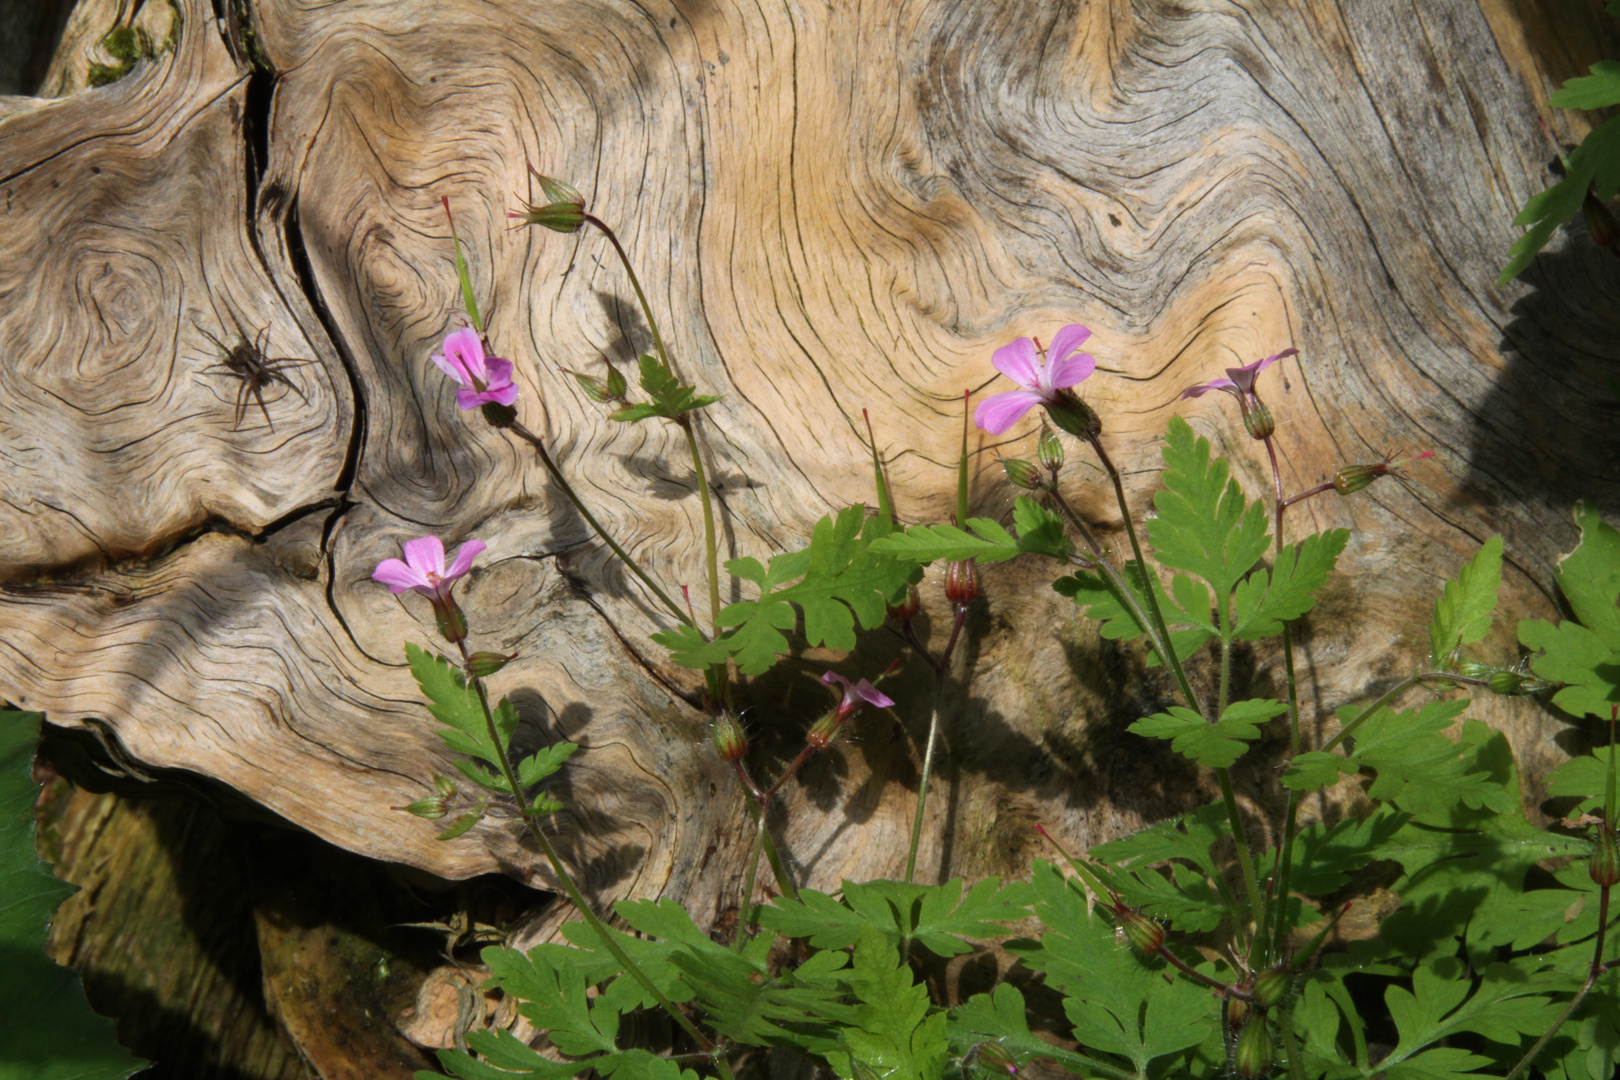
(526, 810)
(1285, 856)
(556, 474)
(635, 283)
(710, 546)
(941, 671)
(1126, 595)
(1170, 658)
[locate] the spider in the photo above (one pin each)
(248, 363)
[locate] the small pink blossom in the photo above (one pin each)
(1240, 384)
(424, 569)
(856, 693)
(1239, 381)
(1039, 377)
(483, 378)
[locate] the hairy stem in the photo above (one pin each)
(711, 549)
(635, 283)
(590, 519)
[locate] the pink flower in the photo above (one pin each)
(483, 378)
(1240, 384)
(424, 570)
(855, 694)
(1039, 378)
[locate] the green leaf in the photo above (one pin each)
(1419, 769)
(1589, 576)
(689, 648)
(1264, 601)
(1444, 1001)
(999, 1017)
(1187, 900)
(47, 1030)
(841, 579)
(1096, 595)
(937, 917)
(1463, 867)
(1216, 745)
(453, 702)
(1326, 855)
(1462, 613)
(1039, 530)
(468, 300)
(1574, 655)
(1117, 1002)
(1594, 166)
(1594, 91)
(1316, 768)
(670, 398)
(1585, 777)
(892, 1034)
(1204, 526)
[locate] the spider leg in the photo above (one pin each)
(253, 384)
(241, 406)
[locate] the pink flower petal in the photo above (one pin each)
(1203, 388)
(425, 555)
(1066, 341)
(1073, 369)
(1017, 361)
(465, 554)
(398, 577)
(996, 414)
(872, 695)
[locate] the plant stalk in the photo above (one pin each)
(596, 925)
(941, 671)
(590, 519)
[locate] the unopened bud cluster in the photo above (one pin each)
(730, 742)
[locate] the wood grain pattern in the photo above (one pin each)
(835, 208)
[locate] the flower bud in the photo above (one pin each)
(996, 1058)
(1474, 669)
(560, 217)
(1352, 478)
(432, 807)
(1252, 1058)
(1022, 473)
(909, 608)
(594, 388)
(482, 665)
(822, 731)
(1271, 987)
(1143, 933)
(1073, 415)
(1257, 418)
(1507, 683)
(729, 740)
(1050, 450)
(616, 385)
(1605, 865)
(962, 582)
(1600, 223)
(1237, 1012)
(452, 623)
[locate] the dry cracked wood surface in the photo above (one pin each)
(835, 207)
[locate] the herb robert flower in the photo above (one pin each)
(1044, 377)
(1239, 382)
(484, 379)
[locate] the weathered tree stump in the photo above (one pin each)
(835, 208)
